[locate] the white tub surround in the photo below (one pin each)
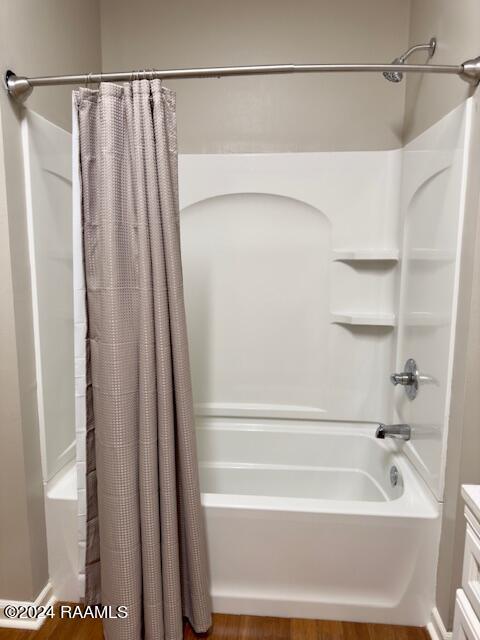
(48, 179)
(302, 270)
(309, 279)
(48, 174)
(433, 204)
(290, 271)
(314, 527)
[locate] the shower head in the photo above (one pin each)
(394, 76)
(397, 76)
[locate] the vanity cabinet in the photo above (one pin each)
(466, 625)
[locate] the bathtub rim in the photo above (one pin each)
(416, 500)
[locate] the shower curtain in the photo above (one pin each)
(145, 544)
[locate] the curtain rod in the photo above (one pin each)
(20, 87)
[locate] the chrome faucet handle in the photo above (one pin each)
(408, 378)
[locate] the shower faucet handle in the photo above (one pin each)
(408, 378)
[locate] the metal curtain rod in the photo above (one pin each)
(21, 87)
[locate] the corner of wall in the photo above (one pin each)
(430, 97)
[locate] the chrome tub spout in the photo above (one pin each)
(397, 431)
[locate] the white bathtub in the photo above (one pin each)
(302, 521)
(62, 521)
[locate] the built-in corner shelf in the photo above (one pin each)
(365, 255)
(362, 319)
(431, 255)
(426, 319)
(382, 258)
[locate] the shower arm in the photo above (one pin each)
(20, 87)
(430, 47)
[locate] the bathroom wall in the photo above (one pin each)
(455, 24)
(262, 113)
(52, 36)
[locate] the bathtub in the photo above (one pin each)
(303, 520)
(62, 522)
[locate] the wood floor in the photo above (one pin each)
(227, 627)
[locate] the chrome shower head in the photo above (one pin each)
(397, 76)
(394, 76)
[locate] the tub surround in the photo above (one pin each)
(290, 283)
(393, 240)
(48, 176)
(294, 283)
(433, 205)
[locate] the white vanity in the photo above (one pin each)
(466, 625)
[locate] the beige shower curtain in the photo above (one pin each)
(145, 538)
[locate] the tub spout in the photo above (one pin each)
(398, 431)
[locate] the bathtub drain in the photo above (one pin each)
(394, 475)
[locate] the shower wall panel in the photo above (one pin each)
(290, 279)
(432, 207)
(48, 173)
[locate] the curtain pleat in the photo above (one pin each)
(145, 535)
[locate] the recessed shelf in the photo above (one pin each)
(366, 255)
(364, 319)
